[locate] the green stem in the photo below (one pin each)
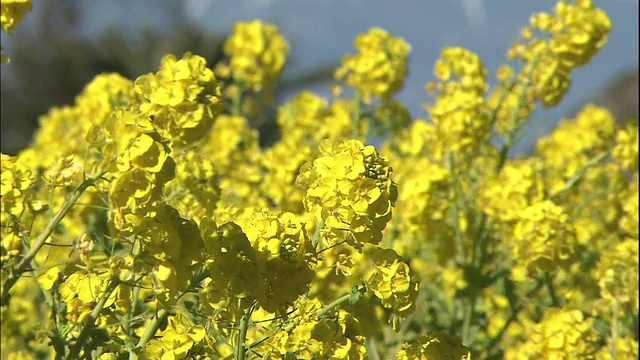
(469, 311)
(351, 297)
(501, 101)
(505, 151)
(456, 210)
(237, 103)
(512, 317)
(548, 281)
(132, 309)
(56, 340)
(265, 338)
(514, 119)
(161, 316)
(242, 334)
(355, 131)
(614, 329)
(372, 349)
(40, 241)
(480, 245)
(480, 248)
(331, 247)
(88, 326)
(577, 177)
(315, 239)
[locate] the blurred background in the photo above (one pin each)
(62, 44)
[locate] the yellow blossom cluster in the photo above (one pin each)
(518, 186)
(180, 338)
(18, 199)
(617, 275)
(91, 120)
(561, 334)
(590, 133)
(629, 201)
(257, 54)
(391, 282)
(307, 335)
(542, 239)
(424, 199)
(17, 188)
(232, 147)
(626, 148)
(286, 257)
(301, 120)
(460, 113)
(145, 168)
(182, 99)
(195, 191)
(576, 32)
(620, 348)
(549, 50)
(146, 221)
(349, 187)
(379, 68)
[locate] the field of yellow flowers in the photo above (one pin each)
(146, 222)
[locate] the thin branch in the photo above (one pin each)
(44, 235)
(88, 326)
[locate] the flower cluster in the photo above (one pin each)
(617, 275)
(308, 335)
(195, 191)
(518, 186)
(308, 119)
(17, 192)
(626, 148)
(561, 334)
(590, 133)
(18, 199)
(257, 54)
(233, 265)
(629, 201)
(391, 283)
(286, 257)
(145, 167)
(379, 68)
(232, 147)
(349, 187)
(460, 113)
(90, 121)
(423, 200)
(620, 348)
(576, 32)
(182, 98)
(542, 239)
(178, 340)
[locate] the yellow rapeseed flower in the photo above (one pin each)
(257, 54)
(379, 68)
